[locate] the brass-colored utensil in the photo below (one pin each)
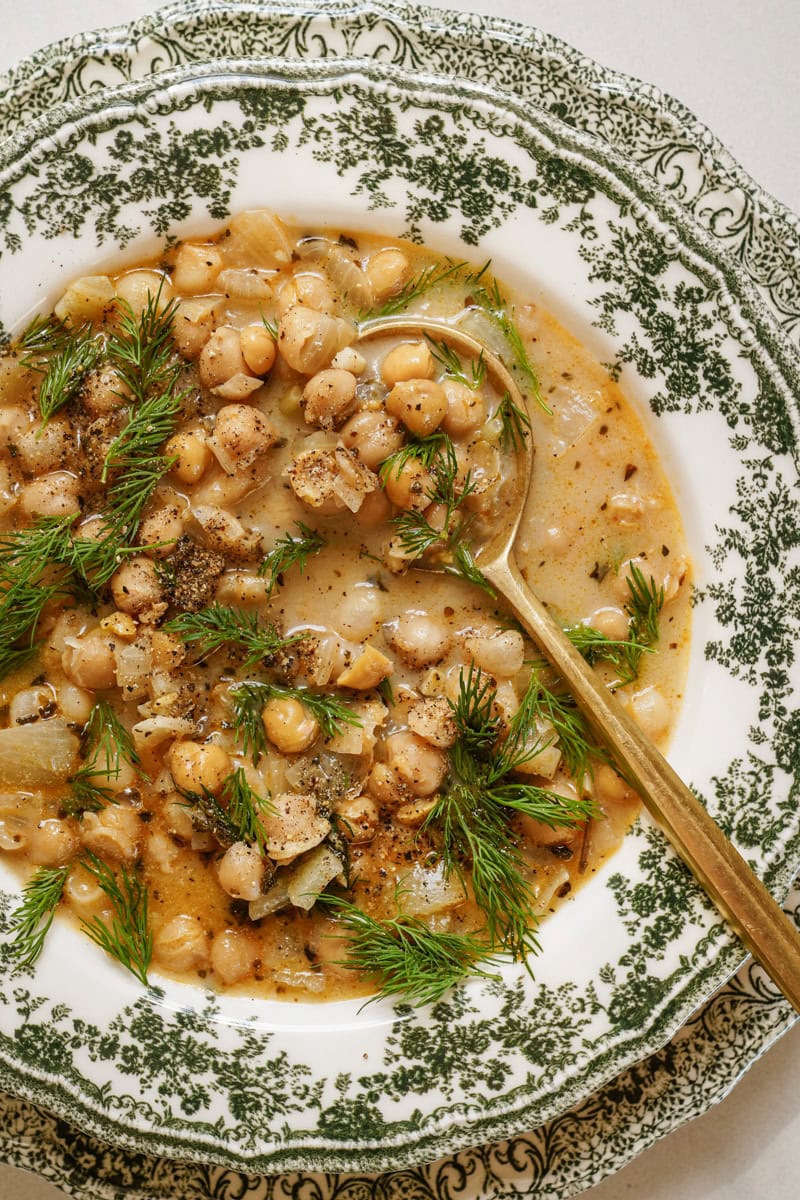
(736, 891)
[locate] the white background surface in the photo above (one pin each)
(734, 64)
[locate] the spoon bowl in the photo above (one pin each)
(733, 887)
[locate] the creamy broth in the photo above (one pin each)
(279, 512)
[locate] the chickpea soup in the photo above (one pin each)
(264, 723)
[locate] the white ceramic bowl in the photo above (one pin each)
(641, 279)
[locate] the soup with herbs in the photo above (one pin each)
(248, 735)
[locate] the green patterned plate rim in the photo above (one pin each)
(771, 427)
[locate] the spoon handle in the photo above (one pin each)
(736, 891)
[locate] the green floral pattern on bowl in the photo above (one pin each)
(690, 325)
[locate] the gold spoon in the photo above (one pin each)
(736, 891)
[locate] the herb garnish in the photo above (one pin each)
(221, 625)
(288, 551)
(453, 364)
(127, 937)
(515, 425)
(71, 359)
(31, 920)
(405, 956)
(496, 307)
(625, 655)
(472, 814)
(250, 697)
(245, 807)
(107, 744)
(428, 278)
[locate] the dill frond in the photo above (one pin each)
(405, 957)
(127, 937)
(221, 625)
(290, 550)
(31, 920)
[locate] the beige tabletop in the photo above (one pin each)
(734, 64)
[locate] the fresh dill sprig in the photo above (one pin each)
(271, 327)
(577, 744)
(496, 307)
(221, 625)
(245, 807)
(472, 812)
(288, 551)
(427, 279)
(208, 816)
(127, 937)
(28, 581)
(515, 425)
(141, 347)
(107, 745)
(424, 450)
(249, 698)
(625, 655)
(464, 564)
(31, 920)
(415, 532)
(453, 364)
(643, 608)
(405, 957)
(44, 335)
(63, 357)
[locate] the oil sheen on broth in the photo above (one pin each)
(242, 694)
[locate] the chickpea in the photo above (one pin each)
(500, 654)
(54, 495)
(308, 339)
(410, 486)
(350, 360)
(366, 671)
(360, 611)
(359, 817)
(241, 435)
(611, 621)
(222, 358)
(199, 765)
(232, 955)
(53, 843)
(373, 436)
(83, 893)
(178, 818)
(196, 269)
(136, 589)
(31, 704)
(466, 410)
(420, 639)
(328, 398)
(192, 326)
(410, 360)
(181, 944)
(240, 871)
(161, 529)
(192, 455)
(74, 703)
(44, 449)
(137, 289)
(104, 391)
(375, 510)
(89, 661)
(650, 710)
(420, 404)
(15, 831)
(418, 765)
(120, 626)
(289, 725)
(13, 425)
(307, 289)
(258, 348)
(115, 832)
(387, 271)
